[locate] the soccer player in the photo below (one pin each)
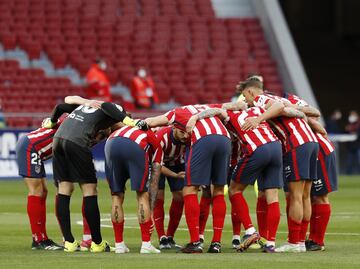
(32, 150)
(173, 142)
(130, 152)
(73, 163)
(300, 143)
(326, 181)
(262, 158)
(207, 163)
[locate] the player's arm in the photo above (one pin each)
(56, 114)
(77, 100)
(316, 126)
(155, 167)
(238, 105)
(293, 113)
(169, 173)
(212, 112)
(309, 111)
(273, 109)
(157, 121)
(117, 113)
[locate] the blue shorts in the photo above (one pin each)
(300, 163)
(326, 181)
(175, 184)
(230, 172)
(125, 159)
(265, 164)
(208, 161)
(28, 160)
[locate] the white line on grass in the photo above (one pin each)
(79, 222)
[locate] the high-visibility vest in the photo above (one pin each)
(143, 91)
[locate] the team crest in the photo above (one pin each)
(37, 169)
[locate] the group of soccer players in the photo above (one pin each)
(276, 141)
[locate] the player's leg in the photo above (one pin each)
(117, 219)
(261, 214)
(326, 182)
(34, 209)
(63, 213)
(205, 204)
(146, 224)
(219, 174)
(139, 172)
(175, 214)
(235, 220)
(117, 173)
(86, 240)
(176, 186)
(198, 171)
(159, 215)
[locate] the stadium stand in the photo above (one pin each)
(193, 56)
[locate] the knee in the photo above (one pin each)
(177, 196)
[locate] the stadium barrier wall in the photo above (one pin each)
(8, 164)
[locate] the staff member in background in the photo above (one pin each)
(143, 90)
(98, 82)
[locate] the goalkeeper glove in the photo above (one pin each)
(47, 123)
(142, 125)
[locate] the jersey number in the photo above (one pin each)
(35, 159)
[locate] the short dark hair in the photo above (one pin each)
(249, 84)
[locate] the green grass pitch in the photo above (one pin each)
(342, 239)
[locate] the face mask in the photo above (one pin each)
(142, 73)
(353, 118)
(102, 66)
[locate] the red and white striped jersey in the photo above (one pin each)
(293, 132)
(252, 139)
(204, 127)
(42, 140)
(146, 140)
(325, 145)
(174, 151)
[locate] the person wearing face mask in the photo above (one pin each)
(352, 159)
(98, 84)
(143, 90)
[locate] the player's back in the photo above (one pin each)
(254, 138)
(82, 125)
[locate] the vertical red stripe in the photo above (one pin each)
(324, 171)
(28, 159)
(146, 172)
(295, 164)
(241, 169)
(188, 170)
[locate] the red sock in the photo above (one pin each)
(312, 234)
(146, 229)
(192, 214)
(204, 213)
(323, 212)
(118, 231)
(43, 218)
(218, 213)
(241, 209)
(175, 213)
(294, 231)
(236, 222)
(86, 228)
(261, 214)
(304, 228)
(272, 220)
(34, 212)
(159, 215)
